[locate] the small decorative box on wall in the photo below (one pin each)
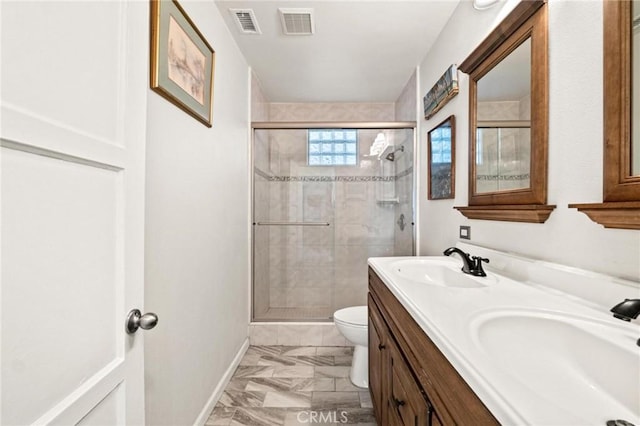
(445, 88)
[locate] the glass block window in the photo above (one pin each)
(441, 145)
(332, 147)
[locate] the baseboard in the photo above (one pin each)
(217, 392)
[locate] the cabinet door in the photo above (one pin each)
(377, 360)
(405, 399)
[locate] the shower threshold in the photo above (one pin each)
(296, 314)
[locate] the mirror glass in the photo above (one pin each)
(503, 124)
(635, 84)
(441, 152)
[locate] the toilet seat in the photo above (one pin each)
(354, 316)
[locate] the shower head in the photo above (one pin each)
(392, 155)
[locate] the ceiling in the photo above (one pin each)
(361, 51)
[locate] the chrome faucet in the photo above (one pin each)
(627, 310)
(471, 265)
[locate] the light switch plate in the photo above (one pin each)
(465, 232)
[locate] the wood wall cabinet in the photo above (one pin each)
(410, 380)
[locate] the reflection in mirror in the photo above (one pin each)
(620, 207)
(503, 124)
(635, 84)
(441, 153)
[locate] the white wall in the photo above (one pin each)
(197, 240)
(575, 146)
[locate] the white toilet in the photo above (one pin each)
(352, 323)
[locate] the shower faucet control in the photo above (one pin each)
(401, 223)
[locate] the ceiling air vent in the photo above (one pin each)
(296, 21)
(246, 21)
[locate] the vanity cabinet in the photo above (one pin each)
(410, 380)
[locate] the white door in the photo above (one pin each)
(72, 129)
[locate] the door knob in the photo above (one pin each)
(136, 320)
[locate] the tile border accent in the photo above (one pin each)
(221, 386)
(503, 177)
(326, 178)
(332, 178)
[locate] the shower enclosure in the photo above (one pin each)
(325, 199)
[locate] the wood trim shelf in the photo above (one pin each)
(618, 215)
(533, 213)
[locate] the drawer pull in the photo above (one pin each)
(398, 402)
(381, 346)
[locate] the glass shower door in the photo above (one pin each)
(323, 204)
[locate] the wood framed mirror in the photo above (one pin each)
(621, 178)
(441, 154)
(508, 119)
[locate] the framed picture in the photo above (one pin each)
(445, 88)
(182, 62)
(441, 150)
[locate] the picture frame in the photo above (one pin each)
(182, 61)
(441, 155)
(445, 88)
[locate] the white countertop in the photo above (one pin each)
(450, 317)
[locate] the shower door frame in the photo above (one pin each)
(357, 125)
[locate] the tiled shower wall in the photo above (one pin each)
(321, 269)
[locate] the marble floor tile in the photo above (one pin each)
(365, 399)
(266, 384)
(264, 350)
(335, 400)
(251, 359)
(311, 417)
(242, 399)
(295, 371)
(220, 416)
(344, 384)
(334, 350)
(287, 399)
(244, 371)
(343, 360)
(332, 371)
(237, 384)
(298, 350)
(316, 360)
(292, 386)
(316, 384)
(277, 360)
(259, 417)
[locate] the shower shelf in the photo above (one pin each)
(388, 201)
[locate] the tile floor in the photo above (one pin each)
(293, 385)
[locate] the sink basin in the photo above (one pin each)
(593, 366)
(437, 272)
